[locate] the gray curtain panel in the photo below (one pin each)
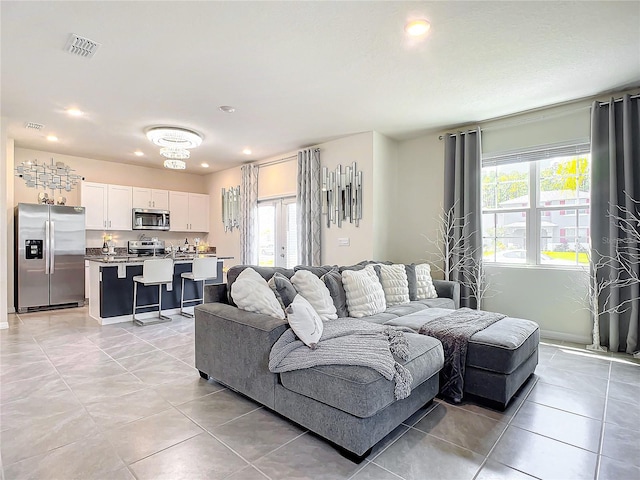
(462, 176)
(249, 215)
(615, 176)
(309, 207)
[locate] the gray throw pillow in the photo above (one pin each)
(413, 282)
(333, 280)
(317, 271)
(283, 288)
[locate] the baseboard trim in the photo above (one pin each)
(567, 337)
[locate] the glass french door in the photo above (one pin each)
(277, 233)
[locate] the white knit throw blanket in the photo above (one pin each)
(349, 342)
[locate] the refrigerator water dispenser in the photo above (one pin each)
(33, 249)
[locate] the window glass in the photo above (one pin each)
(512, 216)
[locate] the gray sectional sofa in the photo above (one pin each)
(354, 407)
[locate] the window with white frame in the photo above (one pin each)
(535, 206)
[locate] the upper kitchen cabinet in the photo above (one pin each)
(150, 198)
(107, 207)
(189, 212)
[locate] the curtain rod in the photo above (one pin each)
(538, 118)
(615, 100)
(275, 162)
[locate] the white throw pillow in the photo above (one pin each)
(424, 283)
(316, 293)
(394, 283)
(251, 292)
(364, 293)
(305, 321)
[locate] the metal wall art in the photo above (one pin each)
(51, 176)
(342, 195)
(231, 208)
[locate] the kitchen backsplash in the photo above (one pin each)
(95, 238)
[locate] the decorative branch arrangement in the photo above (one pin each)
(453, 255)
(52, 176)
(611, 273)
(342, 195)
(231, 208)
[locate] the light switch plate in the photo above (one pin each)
(344, 242)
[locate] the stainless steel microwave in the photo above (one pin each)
(146, 219)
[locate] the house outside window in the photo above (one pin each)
(535, 206)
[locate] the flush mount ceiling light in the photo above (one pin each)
(417, 28)
(247, 151)
(175, 153)
(174, 137)
(74, 112)
(226, 108)
(138, 153)
(204, 165)
(52, 138)
(175, 164)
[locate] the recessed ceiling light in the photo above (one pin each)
(52, 138)
(138, 153)
(74, 112)
(416, 28)
(204, 165)
(227, 108)
(247, 151)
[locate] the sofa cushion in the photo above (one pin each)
(406, 308)
(412, 285)
(424, 283)
(304, 321)
(317, 271)
(503, 346)
(285, 292)
(362, 391)
(333, 280)
(395, 285)
(315, 291)
(265, 272)
(364, 292)
(440, 302)
(251, 293)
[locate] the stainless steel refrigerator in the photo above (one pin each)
(50, 251)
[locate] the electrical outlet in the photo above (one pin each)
(344, 242)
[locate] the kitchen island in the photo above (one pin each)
(111, 287)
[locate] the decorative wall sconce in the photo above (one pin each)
(342, 195)
(231, 208)
(52, 176)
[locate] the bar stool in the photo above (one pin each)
(154, 272)
(204, 268)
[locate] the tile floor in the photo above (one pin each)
(119, 402)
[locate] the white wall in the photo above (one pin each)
(555, 299)
(344, 151)
(385, 171)
(6, 298)
(227, 243)
(418, 198)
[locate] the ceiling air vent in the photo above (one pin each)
(81, 46)
(33, 126)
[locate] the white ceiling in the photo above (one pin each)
(298, 73)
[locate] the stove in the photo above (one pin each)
(145, 247)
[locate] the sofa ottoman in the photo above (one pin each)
(500, 358)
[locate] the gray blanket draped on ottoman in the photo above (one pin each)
(454, 331)
(349, 342)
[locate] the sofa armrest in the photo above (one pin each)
(215, 293)
(232, 346)
(448, 289)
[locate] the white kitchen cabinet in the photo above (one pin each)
(150, 198)
(189, 212)
(107, 207)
